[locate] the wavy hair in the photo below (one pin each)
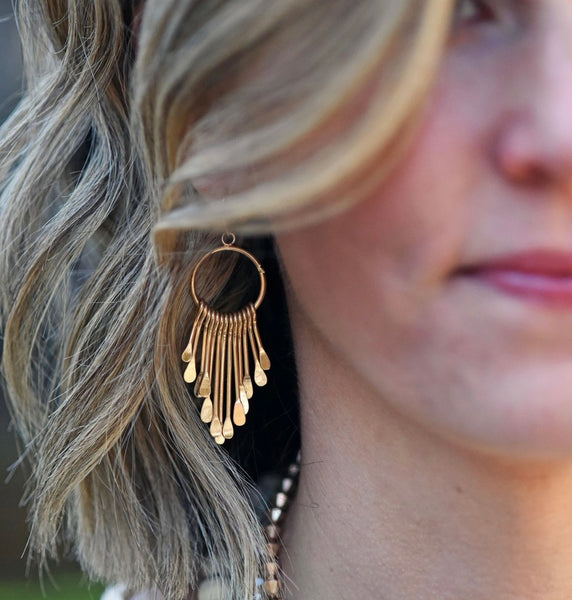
(124, 155)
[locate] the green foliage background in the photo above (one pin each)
(64, 587)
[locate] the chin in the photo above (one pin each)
(524, 418)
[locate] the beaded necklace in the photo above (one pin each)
(275, 518)
(268, 586)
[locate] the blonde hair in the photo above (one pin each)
(102, 223)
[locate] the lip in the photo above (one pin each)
(542, 276)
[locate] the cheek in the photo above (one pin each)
(384, 260)
(371, 281)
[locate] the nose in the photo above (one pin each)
(534, 145)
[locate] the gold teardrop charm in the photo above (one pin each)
(207, 410)
(238, 415)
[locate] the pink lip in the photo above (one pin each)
(542, 276)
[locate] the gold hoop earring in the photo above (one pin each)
(224, 382)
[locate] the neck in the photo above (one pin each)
(386, 509)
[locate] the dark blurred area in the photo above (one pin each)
(12, 526)
(10, 63)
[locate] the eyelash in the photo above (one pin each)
(478, 12)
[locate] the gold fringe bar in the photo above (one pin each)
(228, 343)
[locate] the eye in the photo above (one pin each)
(471, 12)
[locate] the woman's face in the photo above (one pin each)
(449, 289)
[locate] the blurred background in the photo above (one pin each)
(17, 582)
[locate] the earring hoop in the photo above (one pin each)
(230, 247)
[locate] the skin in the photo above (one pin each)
(436, 409)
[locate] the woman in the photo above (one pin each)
(413, 161)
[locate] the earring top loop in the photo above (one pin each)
(228, 239)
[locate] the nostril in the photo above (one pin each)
(517, 156)
(530, 152)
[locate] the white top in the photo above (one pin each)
(114, 593)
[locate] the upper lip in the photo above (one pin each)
(541, 261)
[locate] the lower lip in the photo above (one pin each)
(551, 290)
